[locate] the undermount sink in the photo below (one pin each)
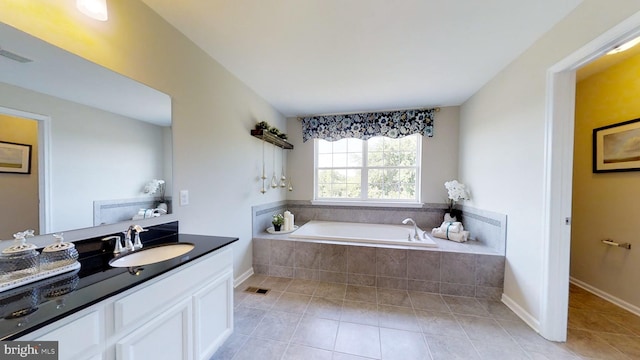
(151, 255)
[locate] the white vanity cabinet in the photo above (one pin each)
(186, 313)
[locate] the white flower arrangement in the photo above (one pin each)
(155, 186)
(457, 192)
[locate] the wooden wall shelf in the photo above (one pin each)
(270, 138)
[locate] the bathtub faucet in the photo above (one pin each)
(415, 227)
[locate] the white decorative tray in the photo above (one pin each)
(271, 230)
(11, 284)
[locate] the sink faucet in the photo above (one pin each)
(415, 227)
(127, 239)
(117, 249)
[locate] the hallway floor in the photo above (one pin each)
(310, 320)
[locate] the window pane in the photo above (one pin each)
(324, 147)
(391, 167)
(354, 159)
(340, 146)
(339, 160)
(325, 160)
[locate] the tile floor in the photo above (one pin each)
(310, 320)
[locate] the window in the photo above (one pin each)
(379, 169)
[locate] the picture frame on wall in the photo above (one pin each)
(15, 158)
(617, 147)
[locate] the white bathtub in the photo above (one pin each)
(361, 233)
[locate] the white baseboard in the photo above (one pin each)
(522, 313)
(244, 276)
(610, 298)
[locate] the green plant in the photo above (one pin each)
(278, 219)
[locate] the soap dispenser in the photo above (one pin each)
(58, 254)
(21, 259)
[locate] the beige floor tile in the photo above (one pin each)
(290, 302)
(275, 283)
(361, 293)
(357, 339)
(277, 325)
(305, 287)
(262, 349)
(360, 313)
(448, 348)
(489, 351)
(465, 306)
(301, 352)
(331, 290)
(486, 330)
(264, 302)
(316, 332)
(230, 347)
(403, 345)
(437, 323)
(394, 297)
(396, 317)
(498, 310)
(428, 301)
(325, 308)
(246, 319)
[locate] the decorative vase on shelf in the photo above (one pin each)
(276, 227)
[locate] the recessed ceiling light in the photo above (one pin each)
(626, 46)
(96, 9)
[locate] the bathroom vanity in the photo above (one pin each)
(180, 308)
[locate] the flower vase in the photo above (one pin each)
(163, 206)
(449, 218)
(276, 227)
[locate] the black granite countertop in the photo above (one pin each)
(33, 306)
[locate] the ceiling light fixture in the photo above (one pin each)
(96, 9)
(626, 46)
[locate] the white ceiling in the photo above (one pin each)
(335, 56)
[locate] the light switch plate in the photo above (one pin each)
(184, 197)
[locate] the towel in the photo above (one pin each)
(452, 227)
(457, 237)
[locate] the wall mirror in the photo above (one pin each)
(97, 139)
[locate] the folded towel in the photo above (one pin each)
(452, 227)
(457, 237)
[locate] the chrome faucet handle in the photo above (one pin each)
(137, 244)
(118, 247)
(127, 240)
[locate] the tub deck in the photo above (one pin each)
(469, 247)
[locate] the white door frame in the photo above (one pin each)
(559, 134)
(44, 164)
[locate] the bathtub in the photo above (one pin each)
(361, 233)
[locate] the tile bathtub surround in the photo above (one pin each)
(460, 274)
(329, 321)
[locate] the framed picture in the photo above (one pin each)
(15, 158)
(617, 147)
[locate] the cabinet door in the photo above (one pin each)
(168, 336)
(79, 339)
(213, 315)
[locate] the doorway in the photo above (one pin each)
(559, 136)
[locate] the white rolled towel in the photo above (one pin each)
(452, 226)
(457, 237)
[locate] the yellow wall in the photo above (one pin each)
(214, 156)
(19, 192)
(605, 205)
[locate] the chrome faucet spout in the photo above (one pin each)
(415, 227)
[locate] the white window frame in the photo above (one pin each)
(409, 203)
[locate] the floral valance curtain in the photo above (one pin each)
(393, 124)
